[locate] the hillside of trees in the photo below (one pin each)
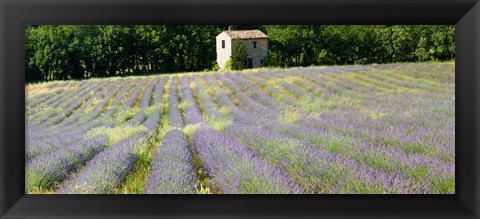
(75, 52)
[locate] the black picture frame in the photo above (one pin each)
(15, 14)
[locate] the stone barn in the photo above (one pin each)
(256, 46)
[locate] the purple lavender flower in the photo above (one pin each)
(172, 171)
(106, 170)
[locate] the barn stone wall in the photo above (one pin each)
(223, 55)
(257, 54)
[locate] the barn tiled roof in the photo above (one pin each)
(246, 34)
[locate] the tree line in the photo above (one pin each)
(64, 52)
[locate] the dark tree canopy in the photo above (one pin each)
(75, 52)
(239, 55)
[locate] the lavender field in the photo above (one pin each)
(378, 129)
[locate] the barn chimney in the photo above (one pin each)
(230, 27)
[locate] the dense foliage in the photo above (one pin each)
(340, 45)
(73, 52)
(239, 55)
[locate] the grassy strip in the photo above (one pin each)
(204, 184)
(115, 134)
(135, 181)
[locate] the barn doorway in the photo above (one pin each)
(249, 63)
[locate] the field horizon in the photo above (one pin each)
(356, 129)
(252, 70)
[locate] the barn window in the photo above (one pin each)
(254, 44)
(223, 44)
(261, 61)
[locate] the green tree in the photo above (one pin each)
(58, 52)
(239, 55)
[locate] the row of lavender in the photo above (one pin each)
(391, 139)
(364, 169)
(56, 152)
(360, 129)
